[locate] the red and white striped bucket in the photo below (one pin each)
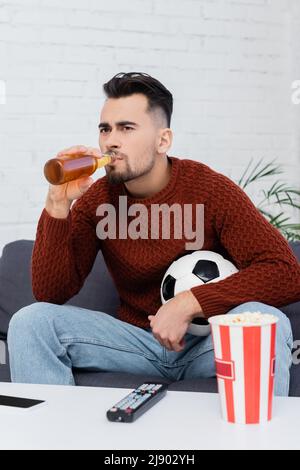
(245, 368)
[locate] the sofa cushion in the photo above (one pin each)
(114, 379)
(15, 284)
(122, 380)
(97, 293)
(296, 249)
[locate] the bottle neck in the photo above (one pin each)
(104, 160)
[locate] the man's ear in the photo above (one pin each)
(165, 140)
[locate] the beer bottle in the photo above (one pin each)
(66, 168)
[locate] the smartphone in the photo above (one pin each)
(19, 402)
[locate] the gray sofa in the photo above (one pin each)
(98, 293)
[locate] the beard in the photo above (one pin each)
(128, 174)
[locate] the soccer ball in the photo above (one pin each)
(195, 269)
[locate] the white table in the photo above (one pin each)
(75, 418)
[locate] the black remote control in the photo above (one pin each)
(137, 402)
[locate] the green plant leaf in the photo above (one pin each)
(257, 173)
(279, 194)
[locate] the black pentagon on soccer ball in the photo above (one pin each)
(206, 270)
(168, 288)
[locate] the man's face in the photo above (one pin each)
(128, 128)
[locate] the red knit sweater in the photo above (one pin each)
(65, 249)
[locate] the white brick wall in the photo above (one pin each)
(229, 63)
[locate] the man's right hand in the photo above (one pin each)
(60, 197)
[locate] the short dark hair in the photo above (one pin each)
(126, 84)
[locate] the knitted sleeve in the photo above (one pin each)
(63, 253)
(268, 270)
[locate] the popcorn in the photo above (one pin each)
(247, 319)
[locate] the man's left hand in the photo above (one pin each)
(172, 320)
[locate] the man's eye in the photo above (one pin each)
(127, 128)
(103, 129)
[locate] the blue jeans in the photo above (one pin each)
(47, 340)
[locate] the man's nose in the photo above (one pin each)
(112, 141)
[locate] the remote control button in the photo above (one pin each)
(142, 400)
(157, 387)
(150, 386)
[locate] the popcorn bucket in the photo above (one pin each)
(244, 346)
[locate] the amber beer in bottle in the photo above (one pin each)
(67, 168)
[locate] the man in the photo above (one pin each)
(47, 339)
